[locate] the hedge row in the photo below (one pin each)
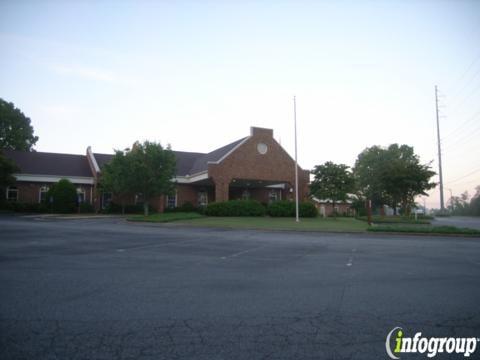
(83, 208)
(235, 208)
(254, 208)
(286, 208)
(114, 208)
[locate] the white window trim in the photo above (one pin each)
(82, 191)
(273, 191)
(8, 190)
(206, 198)
(40, 192)
(176, 199)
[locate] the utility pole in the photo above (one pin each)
(296, 166)
(442, 204)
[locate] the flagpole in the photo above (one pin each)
(296, 166)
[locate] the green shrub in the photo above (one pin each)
(283, 208)
(307, 209)
(86, 208)
(185, 208)
(114, 208)
(286, 208)
(24, 207)
(235, 208)
(64, 197)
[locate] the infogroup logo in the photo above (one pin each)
(429, 346)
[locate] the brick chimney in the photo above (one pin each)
(261, 131)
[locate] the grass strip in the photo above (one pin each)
(165, 217)
(449, 230)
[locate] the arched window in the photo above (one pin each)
(202, 198)
(80, 195)
(12, 193)
(272, 196)
(172, 201)
(42, 194)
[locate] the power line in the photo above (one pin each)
(466, 98)
(466, 85)
(468, 182)
(463, 140)
(466, 71)
(462, 125)
(464, 176)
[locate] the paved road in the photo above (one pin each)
(105, 289)
(460, 221)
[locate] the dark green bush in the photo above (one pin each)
(187, 207)
(235, 208)
(114, 208)
(307, 209)
(24, 207)
(283, 208)
(286, 208)
(86, 208)
(64, 197)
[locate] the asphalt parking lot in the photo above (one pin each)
(459, 221)
(106, 289)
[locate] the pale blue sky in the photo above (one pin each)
(198, 74)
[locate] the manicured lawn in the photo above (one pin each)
(166, 217)
(376, 219)
(305, 224)
(425, 229)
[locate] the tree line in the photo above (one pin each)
(390, 176)
(463, 205)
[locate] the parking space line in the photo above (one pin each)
(241, 252)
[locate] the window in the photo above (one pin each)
(80, 195)
(106, 199)
(272, 196)
(12, 193)
(138, 199)
(172, 201)
(42, 196)
(245, 195)
(202, 198)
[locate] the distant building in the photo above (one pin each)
(325, 207)
(253, 167)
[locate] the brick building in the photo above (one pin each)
(254, 167)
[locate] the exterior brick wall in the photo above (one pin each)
(328, 208)
(247, 163)
(29, 192)
(244, 163)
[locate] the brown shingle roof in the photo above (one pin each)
(188, 163)
(45, 163)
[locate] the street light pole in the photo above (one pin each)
(297, 219)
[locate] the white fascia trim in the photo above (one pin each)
(191, 178)
(231, 151)
(54, 178)
(93, 160)
(276, 186)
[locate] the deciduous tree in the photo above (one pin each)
(16, 132)
(332, 181)
(147, 170)
(393, 175)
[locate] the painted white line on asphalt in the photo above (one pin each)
(350, 261)
(241, 252)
